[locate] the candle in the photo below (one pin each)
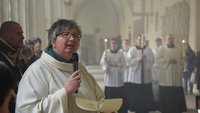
(105, 40)
(183, 42)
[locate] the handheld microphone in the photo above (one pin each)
(75, 63)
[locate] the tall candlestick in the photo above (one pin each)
(142, 41)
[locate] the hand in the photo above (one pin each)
(73, 83)
(114, 64)
(172, 61)
(142, 57)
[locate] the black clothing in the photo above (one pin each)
(14, 60)
(172, 100)
(141, 97)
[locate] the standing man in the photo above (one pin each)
(125, 49)
(11, 40)
(139, 82)
(172, 99)
(114, 60)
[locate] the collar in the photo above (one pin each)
(138, 47)
(125, 50)
(114, 51)
(52, 53)
(170, 45)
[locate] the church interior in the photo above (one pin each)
(103, 19)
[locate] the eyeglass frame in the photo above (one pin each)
(69, 35)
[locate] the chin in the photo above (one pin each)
(69, 51)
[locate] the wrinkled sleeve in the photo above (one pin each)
(132, 58)
(97, 91)
(103, 62)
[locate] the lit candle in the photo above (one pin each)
(105, 40)
(183, 42)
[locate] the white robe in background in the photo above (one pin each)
(41, 89)
(155, 68)
(113, 76)
(135, 65)
(170, 73)
(126, 67)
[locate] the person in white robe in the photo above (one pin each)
(169, 57)
(156, 72)
(50, 85)
(125, 48)
(139, 83)
(112, 62)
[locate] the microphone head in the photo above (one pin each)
(75, 57)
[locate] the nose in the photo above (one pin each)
(22, 37)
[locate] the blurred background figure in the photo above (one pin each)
(188, 62)
(125, 49)
(37, 46)
(30, 46)
(11, 42)
(156, 72)
(197, 65)
(171, 93)
(114, 61)
(6, 88)
(139, 83)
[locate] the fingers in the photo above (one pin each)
(73, 83)
(76, 73)
(76, 76)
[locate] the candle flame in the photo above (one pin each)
(183, 41)
(105, 40)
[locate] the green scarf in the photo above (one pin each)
(56, 56)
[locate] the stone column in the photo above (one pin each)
(198, 25)
(14, 10)
(64, 9)
(31, 17)
(48, 14)
(194, 34)
(22, 15)
(55, 9)
(4, 10)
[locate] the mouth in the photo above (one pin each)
(70, 46)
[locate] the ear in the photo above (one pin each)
(53, 43)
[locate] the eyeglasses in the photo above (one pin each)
(69, 35)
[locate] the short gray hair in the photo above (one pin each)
(59, 26)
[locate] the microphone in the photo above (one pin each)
(75, 63)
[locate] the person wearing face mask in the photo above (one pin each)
(114, 61)
(50, 85)
(172, 98)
